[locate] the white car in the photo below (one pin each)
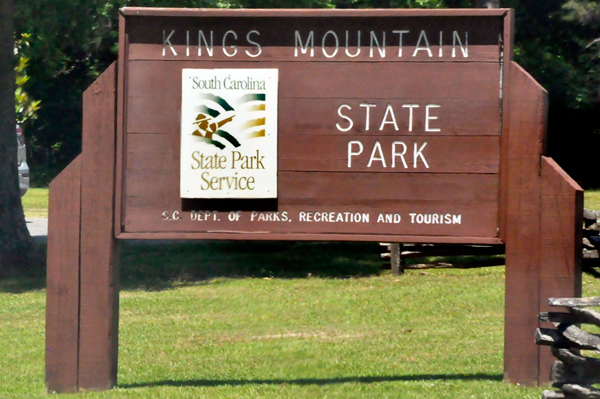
(22, 161)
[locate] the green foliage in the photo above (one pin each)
(72, 41)
(25, 107)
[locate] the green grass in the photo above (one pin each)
(433, 334)
(592, 199)
(35, 203)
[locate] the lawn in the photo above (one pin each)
(434, 334)
(592, 199)
(35, 203)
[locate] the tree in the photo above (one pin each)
(16, 249)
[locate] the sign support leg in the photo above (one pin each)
(82, 333)
(543, 230)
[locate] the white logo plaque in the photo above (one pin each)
(229, 133)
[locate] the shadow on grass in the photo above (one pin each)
(163, 265)
(318, 381)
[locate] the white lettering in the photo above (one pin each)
(400, 33)
(398, 154)
(202, 38)
(430, 117)
(418, 153)
(380, 48)
(167, 40)
(357, 45)
(351, 153)
(410, 114)
(376, 148)
(389, 110)
(367, 109)
(350, 122)
(304, 48)
(464, 50)
(233, 46)
(418, 47)
(337, 44)
(258, 48)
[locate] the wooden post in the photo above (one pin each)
(543, 231)
(99, 297)
(83, 289)
(62, 287)
(561, 242)
(396, 258)
(525, 131)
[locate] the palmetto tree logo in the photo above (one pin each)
(214, 116)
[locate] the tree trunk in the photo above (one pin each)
(16, 249)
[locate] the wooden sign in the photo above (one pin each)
(409, 126)
(384, 125)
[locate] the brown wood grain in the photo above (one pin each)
(476, 221)
(276, 34)
(99, 298)
(456, 117)
(471, 195)
(527, 105)
(330, 153)
(62, 280)
(315, 188)
(507, 51)
(474, 84)
(442, 154)
(121, 145)
(561, 241)
(308, 237)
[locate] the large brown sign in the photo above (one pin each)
(396, 125)
(388, 125)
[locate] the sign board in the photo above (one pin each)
(370, 125)
(364, 125)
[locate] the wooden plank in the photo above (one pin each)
(200, 12)
(320, 116)
(527, 103)
(396, 259)
(62, 280)
(317, 39)
(442, 154)
(306, 116)
(574, 302)
(306, 237)
(99, 256)
(507, 54)
(475, 220)
(122, 116)
(474, 83)
(561, 241)
(330, 153)
(315, 188)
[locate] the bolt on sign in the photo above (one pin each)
(360, 125)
